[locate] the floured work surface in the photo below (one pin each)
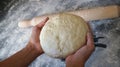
(13, 38)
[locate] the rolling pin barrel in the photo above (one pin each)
(97, 13)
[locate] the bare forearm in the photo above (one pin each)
(22, 58)
(75, 64)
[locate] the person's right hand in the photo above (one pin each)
(34, 41)
(79, 58)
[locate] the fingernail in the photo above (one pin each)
(47, 18)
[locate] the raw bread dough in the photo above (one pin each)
(63, 35)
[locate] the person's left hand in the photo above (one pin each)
(34, 39)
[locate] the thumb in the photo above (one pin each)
(38, 27)
(84, 52)
(42, 23)
(90, 41)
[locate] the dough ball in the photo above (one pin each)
(63, 35)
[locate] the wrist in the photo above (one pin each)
(33, 48)
(74, 63)
(78, 65)
(82, 65)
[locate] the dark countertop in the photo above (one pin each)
(13, 38)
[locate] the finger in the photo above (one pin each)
(90, 41)
(82, 54)
(41, 24)
(88, 25)
(36, 29)
(89, 28)
(85, 51)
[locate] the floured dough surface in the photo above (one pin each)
(63, 35)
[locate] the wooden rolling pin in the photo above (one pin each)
(97, 13)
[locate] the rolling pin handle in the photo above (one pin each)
(24, 23)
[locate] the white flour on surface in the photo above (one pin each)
(13, 38)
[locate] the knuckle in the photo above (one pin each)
(35, 28)
(91, 47)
